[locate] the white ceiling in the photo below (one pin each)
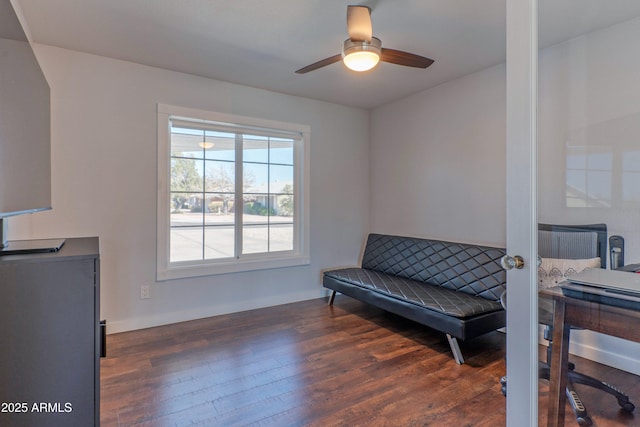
(260, 43)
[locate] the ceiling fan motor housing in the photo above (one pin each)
(350, 46)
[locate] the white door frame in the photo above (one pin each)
(522, 307)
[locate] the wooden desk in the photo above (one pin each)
(595, 316)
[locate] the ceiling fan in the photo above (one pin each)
(361, 51)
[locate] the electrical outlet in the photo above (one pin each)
(145, 292)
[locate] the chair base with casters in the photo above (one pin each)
(578, 407)
(574, 377)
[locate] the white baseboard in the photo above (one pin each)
(154, 320)
(597, 347)
(628, 361)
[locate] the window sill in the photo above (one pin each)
(186, 270)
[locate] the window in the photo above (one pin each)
(589, 173)
(232, 193)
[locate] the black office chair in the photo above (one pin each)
(572, 242)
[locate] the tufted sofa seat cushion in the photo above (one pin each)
(440, 299)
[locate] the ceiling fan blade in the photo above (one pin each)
(405, 58)
(359, 23)
(322, 63)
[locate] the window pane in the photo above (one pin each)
(599, 186)
(576, 203)
(220, 209)
(186, 142)
(255, 148)
(281, 179)
(220, 176)
(255, 219)
(255, 239)
(631, 188)
(256, 178)
(284, 208)
(257, 208)
(600, 161)
(281, 237)
(219, 241)
(576, 159)
(185, 209)
(281, 151)
(577, 183)
(186, 174)
(631, 161)
(197, 206)
(186, 244)
(223, 148)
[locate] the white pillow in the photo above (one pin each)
(554, 270)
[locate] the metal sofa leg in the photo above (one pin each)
(332, 297)
(455, 349)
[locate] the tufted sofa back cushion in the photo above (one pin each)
(461, 267)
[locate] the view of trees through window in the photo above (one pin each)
(231, 194)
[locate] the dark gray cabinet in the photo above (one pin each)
(50, 337)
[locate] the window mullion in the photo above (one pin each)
(239, 203)
(270, 197)
(204, 201)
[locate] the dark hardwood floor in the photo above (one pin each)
(310, 364)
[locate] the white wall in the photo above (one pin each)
(104, 184)
(438, 164)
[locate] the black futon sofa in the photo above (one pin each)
(451, 287)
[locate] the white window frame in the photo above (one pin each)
(167, 270)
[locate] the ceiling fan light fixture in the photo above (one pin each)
(206, 144)
(361, 55)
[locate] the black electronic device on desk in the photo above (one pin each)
(612, 287)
